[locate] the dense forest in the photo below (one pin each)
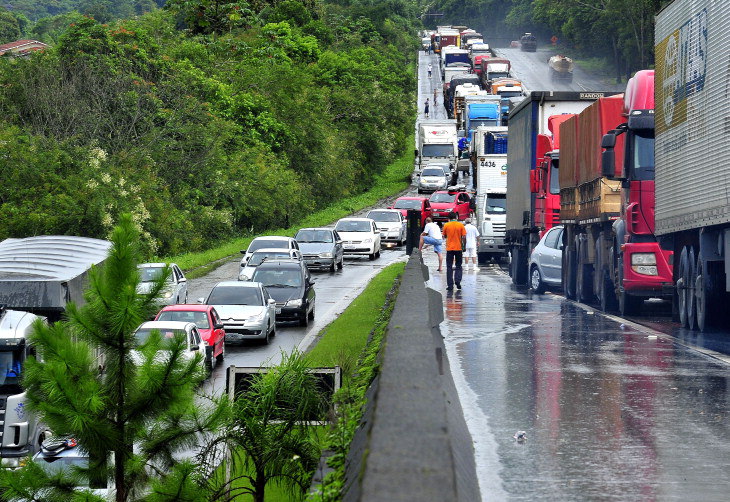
(621, 32)
(203, 119)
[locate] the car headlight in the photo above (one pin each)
(243, 277)
(256, 318)
(325, 255)
(294, 303)
(168, 294)
(644, 263)
(367, 241)
(11, 463)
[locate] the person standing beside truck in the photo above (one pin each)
(425, 110)
(455, 234)
(470, 250)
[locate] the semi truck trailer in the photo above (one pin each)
(692, 140)
(527, 121)
(489, 154)
(437, 143)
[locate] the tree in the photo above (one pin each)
(9, 27)
(88, 386)
(266, 432)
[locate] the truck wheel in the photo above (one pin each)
(682, 295)
(584, 284)
(606, 293)
(568, 272)
(691, 293)
(482, 258)
(627, 304)
(518, 267)
(705, 295)
(536, 282)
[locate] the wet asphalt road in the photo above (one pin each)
(612, 409)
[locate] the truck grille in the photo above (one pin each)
(499, 228)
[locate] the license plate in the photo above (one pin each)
(278, 310)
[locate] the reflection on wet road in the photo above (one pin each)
(611, 412)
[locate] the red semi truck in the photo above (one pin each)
(607, 202)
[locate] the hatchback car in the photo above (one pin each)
(321, 248)
(431, 179)
(446, 201)
(403, 204)
(209, 326)
(291, 285)
(269, 242)
(63, 454)
(546, 261)
(176, 289)
(391, 223)
(360, 236)
(169, 330)
(246, 309)
(258, 257)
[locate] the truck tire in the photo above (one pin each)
(628, 304)
(607, 293)
(519, 267)
(482, 258)
(681, 286)
(568, 272)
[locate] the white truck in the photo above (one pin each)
(489, 150)
(689, 158)
(21, 435)
(437, 143)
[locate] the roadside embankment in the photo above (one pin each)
(413, 442)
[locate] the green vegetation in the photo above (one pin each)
(394, 179)
(208, 120)
(621, 32)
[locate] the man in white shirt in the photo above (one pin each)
(472, 233)
(432, 236)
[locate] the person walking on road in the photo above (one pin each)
(430, 67)
(455, 234)
(470, 251)
(432, 236)
(425, 110)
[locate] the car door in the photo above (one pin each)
(376, 236)
(216, 323)
(309, 289)
(270, 305)
(463, 207)
(338, 251)
(181, 284)
(403, 226)
(549, 256)
(425, 212)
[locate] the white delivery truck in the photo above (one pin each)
(437, 143)
(489, 150)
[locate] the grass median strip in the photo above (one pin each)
(394, 179)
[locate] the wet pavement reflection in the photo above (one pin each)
(610, 411)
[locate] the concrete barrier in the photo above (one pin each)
(413, 443)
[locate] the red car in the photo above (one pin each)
(420, 203)
(445, 201)
(209, 326)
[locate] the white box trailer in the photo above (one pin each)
(489, 150)
(437, 142)
(692, 174)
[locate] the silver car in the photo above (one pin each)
(269, 242)
(321, 248)
(258, 257)
(432, 179)
(246, 309)
(176, 289)
(546, 261)
(391, 223)
(168, 330)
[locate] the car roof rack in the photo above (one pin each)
(457, 188)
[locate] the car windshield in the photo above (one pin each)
(267, 243)
(279, 278)
(353, 226)
(432, 172)
(11, 364)
(199, 318)
(437, 150)
(258, 257)
(510, 94)
(143, 334)
(473, 124)
(314, 236)
(149, 274)
(442, 197)
(407, 204)
(555, 176)
(384, 216)
(233, 295)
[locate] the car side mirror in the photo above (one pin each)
(201, 300)
(271, 301)
(243, 251)
(218, 326)
(194, 348)
(312, 281)
(338, 242)
(182, 279)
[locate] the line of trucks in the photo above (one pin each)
(638, 180)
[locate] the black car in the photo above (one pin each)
(290, 284)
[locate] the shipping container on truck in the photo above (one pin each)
(606, 201)
(489, 151)
(471, 121)
(447, 37)
(692, 140)
(527, 121)
(460, 94)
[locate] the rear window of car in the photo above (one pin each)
(231, 295)
(279, 277)
(407, 204)
(199, 318)
(258, 257)
(166, 334)
(442, 197)
(384, 216)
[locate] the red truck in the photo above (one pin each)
(607, 202)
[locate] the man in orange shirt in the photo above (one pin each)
(455, 234)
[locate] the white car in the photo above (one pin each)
(268, 242)
(258, 256)
(176, 289)
(359, 236)
(546, 261)
(432, 179)
(391, 223)
(168, 330)
(246, 309)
